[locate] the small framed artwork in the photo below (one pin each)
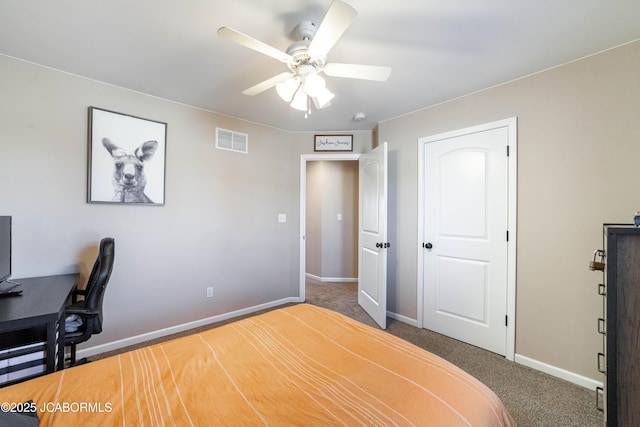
(126, 159)
(333, 143)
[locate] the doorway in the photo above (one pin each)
(323, 273)
(372, 228)
(332, 221)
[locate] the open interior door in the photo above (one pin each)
(372, 236)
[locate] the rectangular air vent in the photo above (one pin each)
(233, 141)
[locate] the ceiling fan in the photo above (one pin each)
(307, 58)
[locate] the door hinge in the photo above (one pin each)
(507, 151)
(506, 320)
(507, 235)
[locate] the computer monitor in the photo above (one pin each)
(5, 248)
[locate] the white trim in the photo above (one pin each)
(419, 237)
(572, 377)
(512, 132)
(115, 345)
(404, 319)
(332, 279)
(304, 158)
(512, 226)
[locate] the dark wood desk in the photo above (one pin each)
(40, 308)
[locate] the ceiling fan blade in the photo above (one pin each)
(267, 84)
(246, 41)
(333, 25)
(355, 71)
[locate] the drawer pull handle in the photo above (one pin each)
(599, 395)
(601, 326)
(600, 359)
(602, 289)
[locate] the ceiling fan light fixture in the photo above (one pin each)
(300, 101)
(287, 89)
(314, 85)
(323, 98)
(307, 57)
(320, 106)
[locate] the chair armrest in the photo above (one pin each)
(81, 311)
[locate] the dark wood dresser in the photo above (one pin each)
(621, 325)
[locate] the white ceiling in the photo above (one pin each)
(438, 49)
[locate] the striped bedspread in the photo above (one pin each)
(299, 365)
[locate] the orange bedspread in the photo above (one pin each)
(300, 365)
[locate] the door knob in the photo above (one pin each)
(427, 245)
(378, 245)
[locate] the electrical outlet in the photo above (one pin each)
(210, 292)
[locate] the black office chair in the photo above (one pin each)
(88, 310)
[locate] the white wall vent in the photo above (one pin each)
(233, 141)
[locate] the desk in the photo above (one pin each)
(41, 306)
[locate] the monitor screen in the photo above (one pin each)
(5, 247)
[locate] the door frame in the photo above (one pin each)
(304, 158)
(512, 159)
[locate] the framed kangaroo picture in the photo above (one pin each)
(126, 159)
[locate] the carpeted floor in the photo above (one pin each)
(533, 398)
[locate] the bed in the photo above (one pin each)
(298, 365)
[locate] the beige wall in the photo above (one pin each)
(313, 223)
(578, 163)
(219, 226)
(578, 136)
(332, 189)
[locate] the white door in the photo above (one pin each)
(372, 239)
(465, 241)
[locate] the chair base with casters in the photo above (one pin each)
(71, 339)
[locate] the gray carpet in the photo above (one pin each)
(533, 398)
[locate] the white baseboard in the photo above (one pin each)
(572, 377)
(404, 319)
(580, 380)
(331, 279)
(114, 345)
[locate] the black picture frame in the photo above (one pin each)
(332, 143)
(126, 159)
